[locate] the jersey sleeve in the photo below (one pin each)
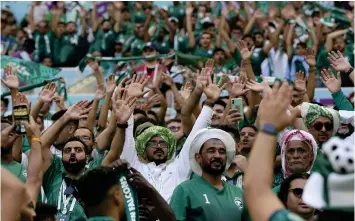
(53, 171)
(179, 203)
(284, 215)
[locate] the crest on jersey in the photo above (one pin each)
(238, 201)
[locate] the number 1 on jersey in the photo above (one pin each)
(207, 202)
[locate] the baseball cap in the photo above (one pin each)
(149, 45)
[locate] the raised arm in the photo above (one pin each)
(289, 47)
(146, 25)
(46, 96)
(11, 81)
(262, 203)
(257, 14)
(123, 107)
(311, 81)
(35, 160)
(94, 19)
(189, 10)
(314, 36)
(339, 63)
(165, 17)
(30, 19)
(330, 38)
(84, 24)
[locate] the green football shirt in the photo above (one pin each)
(284, 215)
(196, 199)
(16, 169)
(198, 51)
(52, 182)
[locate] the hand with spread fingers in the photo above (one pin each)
(209, 67)
(236, 88)
(244, 51)
(278, 100)
(212, 90)
(20, 99)
(300, 82)
(123, 105)
(333, 84)
(310, 57)
(154, 100)
(338, 61)
(94, 64)
(136, 86)
(48, 93)
(110, 84)
(185, 91)
(258, 87)
(79, 110)
(11, 81)
(167, 79)
(233, 117)
(100, 92)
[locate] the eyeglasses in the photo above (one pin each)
(174, 128)
(297, 192)
(156, 144)
(319, 126)
(84, 138)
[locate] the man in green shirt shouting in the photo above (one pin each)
(206, 197)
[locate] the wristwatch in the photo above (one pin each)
(349, 71)
(269, 129)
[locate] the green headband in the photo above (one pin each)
(156, 131)
(130, 198)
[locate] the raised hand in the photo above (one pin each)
(278, 99)
(167, 79)
(82, 12)
(258, 87)
(233, 117)
(123, 105)
(94, 64)
(20, 99)
(136, 86)
(79, 110)
(11, 80)
(300, 81)
(137, 181)
(258, 14)
(154, 100)
(236, 88)
(310, 57)
(244, 51)
(48, 93)
(189, 9)
(212, 91)
(185, 91)
(201, 79)
(338, 62)
(59, 100)
(100, 92)
(110, 84)
(333, 84)
(119, 5)
(209, 67)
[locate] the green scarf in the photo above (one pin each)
(156, 131)
(130, 198)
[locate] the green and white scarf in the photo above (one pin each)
(130, 198)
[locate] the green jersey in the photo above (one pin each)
(16, 169)
(101, 218)
(55, 183)
(42, 44)
(177, 11)
(284, 215)
(198, 51)
(137, 46)
(257, 58)
(196, 199)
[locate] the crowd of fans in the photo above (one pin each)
(274, 155)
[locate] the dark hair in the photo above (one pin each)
(206, 33)
(141, 121)
(29, 45)
(45, 212)
(303, 45)
(5, 100)
(101, 180)
(218, 50)
(71, 22)
(178, 120)
(285, 186)
(150, 112)
(139, 111)
(125, 9)
(61, 23)
(221, 102)
(247, 36)
(237, 27)
(44, 57)
(229, 129)
(249, 125)
(207, 25)
(92, 132)
(86, 148)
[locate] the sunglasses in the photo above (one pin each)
(319, 126)
(297, 192)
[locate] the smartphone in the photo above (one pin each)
(20, 114)
(237, 103)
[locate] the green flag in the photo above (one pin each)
(29, 72)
